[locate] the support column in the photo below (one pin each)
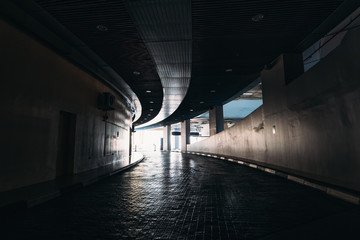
(216, 120)
(130, 143)
(167, 137)
(275, 77)
(185, 135)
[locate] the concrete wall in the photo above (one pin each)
(315, 118)
(36, 84)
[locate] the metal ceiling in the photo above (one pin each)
(165, 28)
(195, 53)
(230, 49)
(107, 28)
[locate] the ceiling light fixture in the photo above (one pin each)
(257, 18)
(101, 28)
(151, 102)
(202, 102)
(191, 110)
(148, 91)
(248, 94)
(151, 109)
(136, 73)
(213, 91)
(228, 70)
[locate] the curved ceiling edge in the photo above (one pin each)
(169, 47)
(46, 29)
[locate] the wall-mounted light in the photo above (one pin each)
(274, 129)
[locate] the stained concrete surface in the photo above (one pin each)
(179, 196)
(307, 126)
(36, 85)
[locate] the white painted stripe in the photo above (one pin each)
(345, 196)
(240, 162)
(270, 170)
(296, 179)
(252, 165)
(222, 158)
(314, 185)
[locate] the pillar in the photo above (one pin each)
(130, 143)
(176, 139)
(167, 137)
(185, 135)
(216, 120)
(275, 77)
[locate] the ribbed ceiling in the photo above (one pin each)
(165, 27)
(119, 45)
(216, 44)
(230, 49)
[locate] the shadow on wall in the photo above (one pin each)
(307, 127)
(50, 105)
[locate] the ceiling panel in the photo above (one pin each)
(107, 28)
(165, 27)
(194, 54)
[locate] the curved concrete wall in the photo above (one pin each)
(36, 85)
(315, 117)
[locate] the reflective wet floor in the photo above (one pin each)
(180, 196)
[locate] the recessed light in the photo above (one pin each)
(151, 102)
(151, 109)
(202, 102)
(228, 70)
(191, 110)
(136, 73)
(145, 118)
(101, 28)
(148, 91)
(257, 18)
(149, 114)
(213, 91)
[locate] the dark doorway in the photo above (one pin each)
(66, 150)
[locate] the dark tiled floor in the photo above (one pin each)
(175, 196)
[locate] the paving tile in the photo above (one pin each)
(180, 196)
